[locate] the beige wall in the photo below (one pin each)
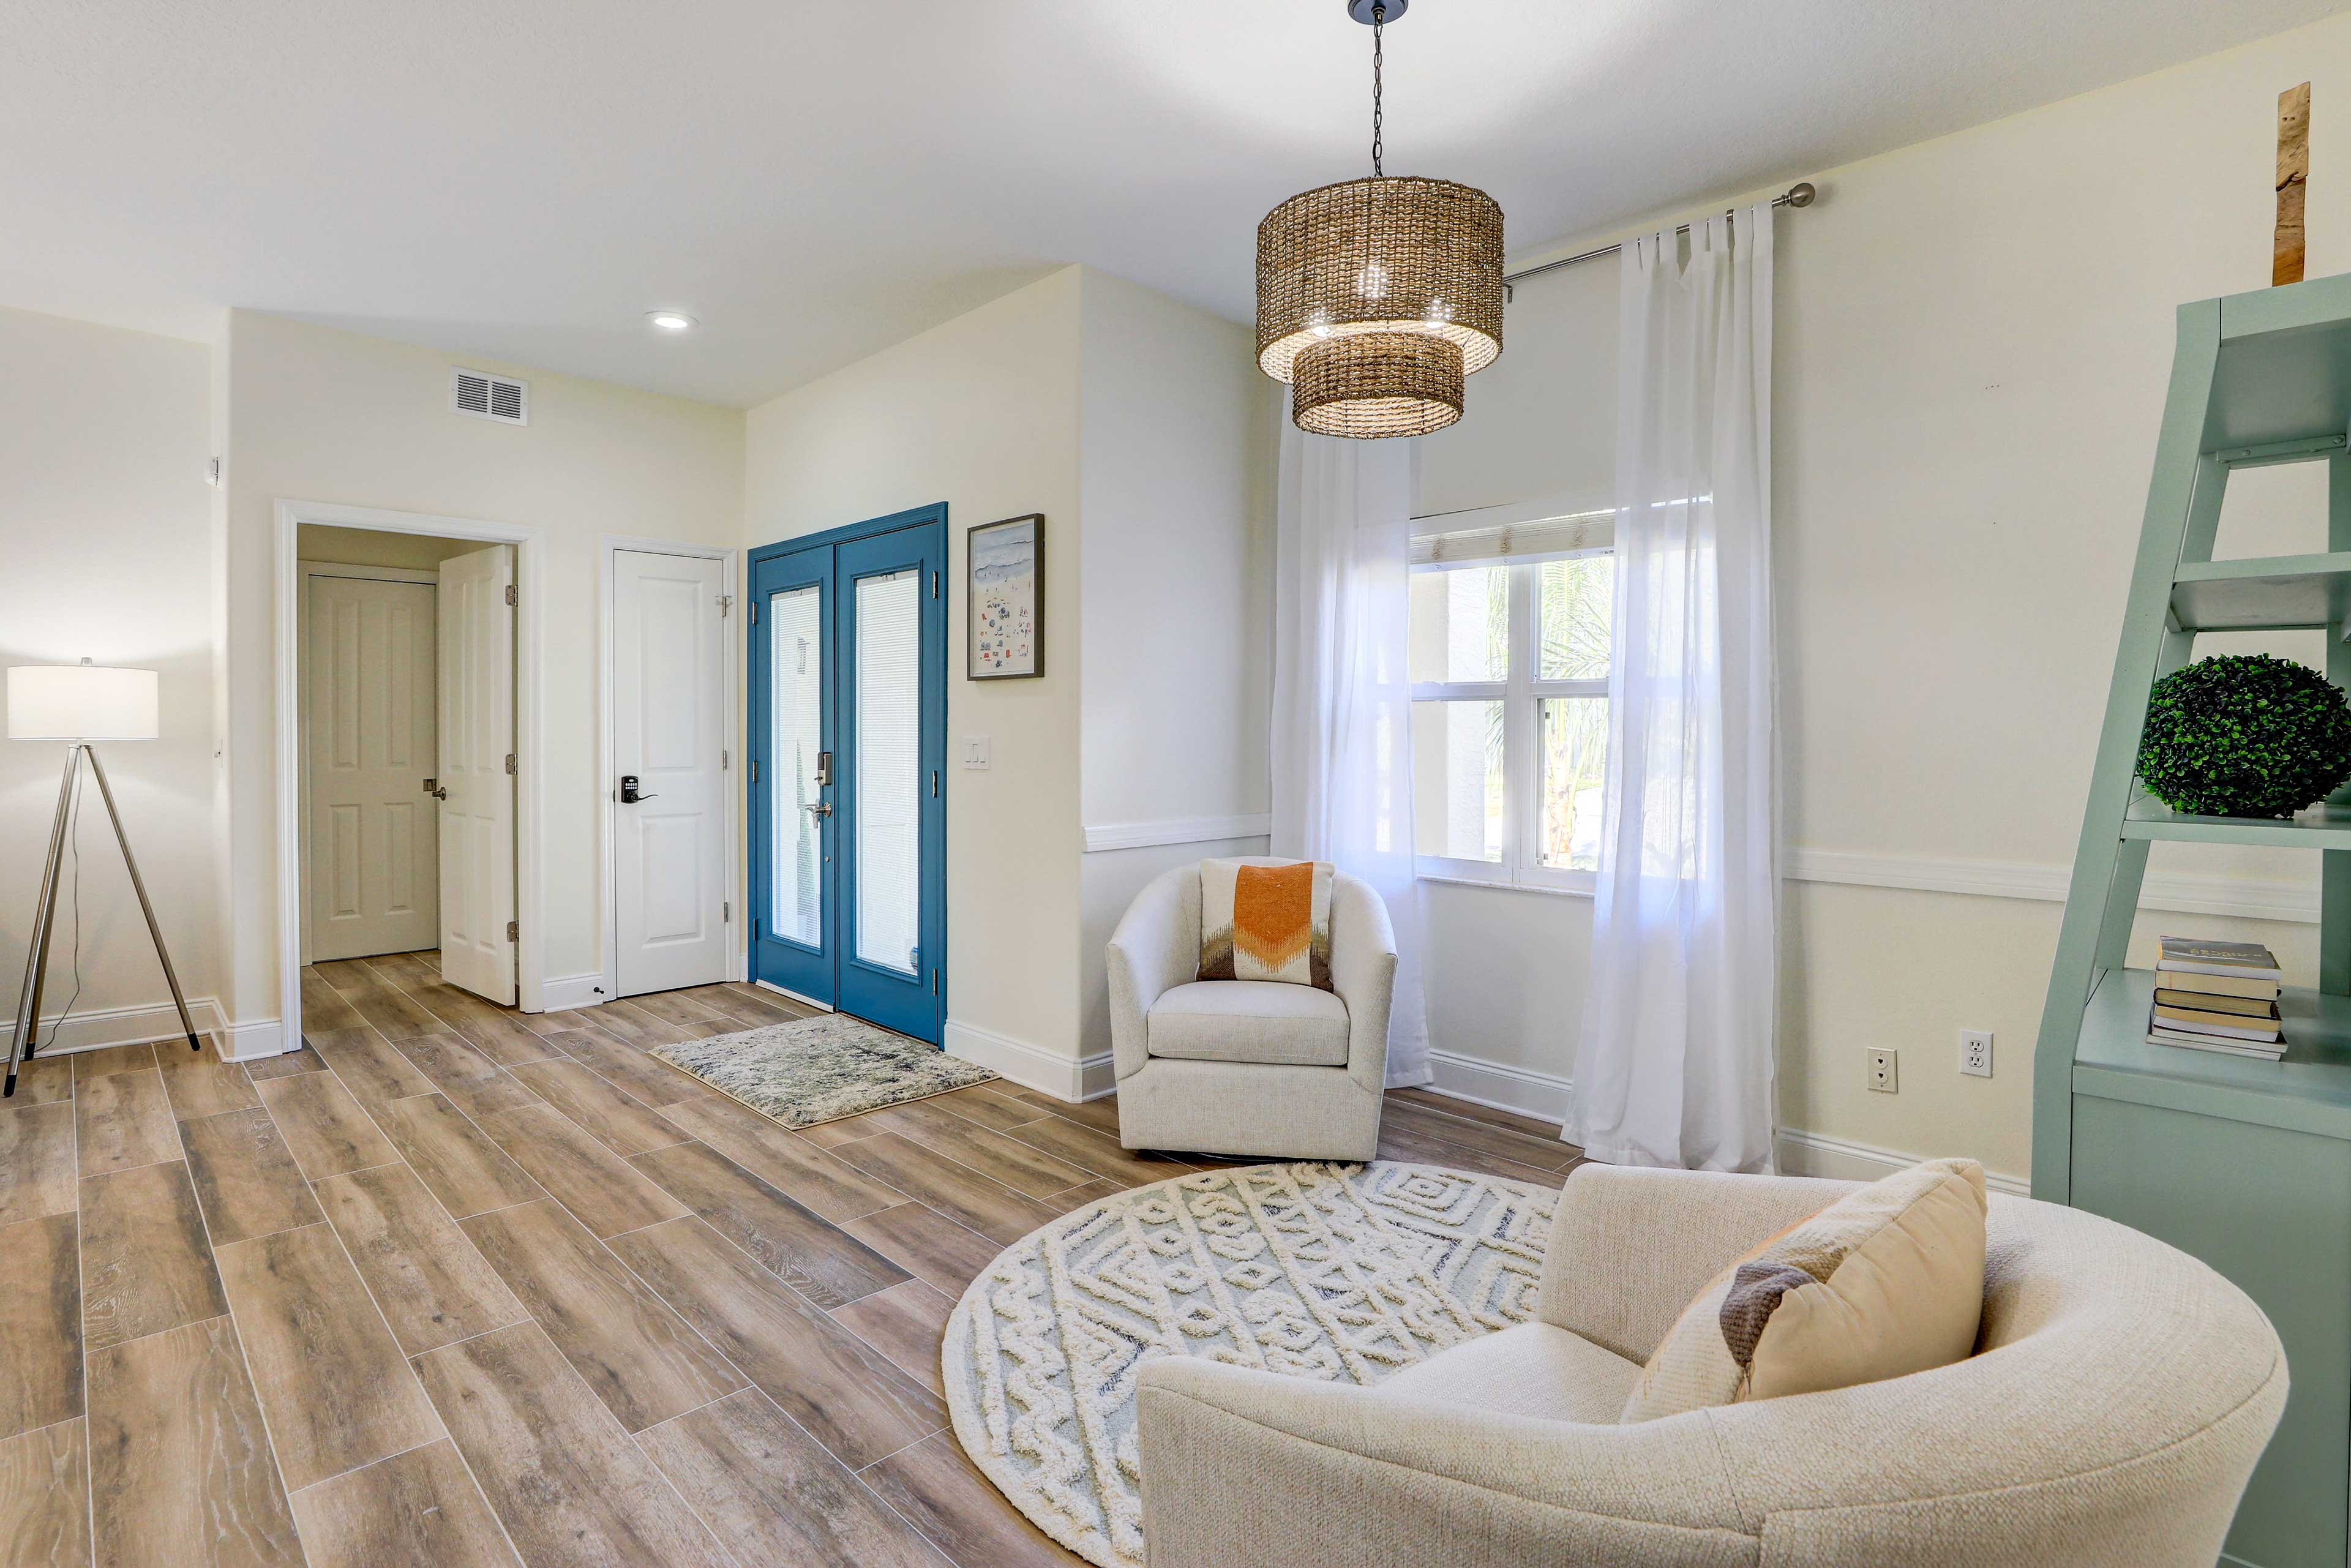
(1138, 427)
(1177, 454)
(316, 414)
(372, 546)
(1973, 337)
(981, 414)
(105, 554)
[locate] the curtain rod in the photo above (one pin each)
(1797, 195)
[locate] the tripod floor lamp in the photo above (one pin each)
(81, 703)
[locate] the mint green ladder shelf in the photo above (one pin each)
(2245, 1164)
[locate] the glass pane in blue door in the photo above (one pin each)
(888, 775)
(795, 683)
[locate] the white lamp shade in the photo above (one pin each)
(81, 702)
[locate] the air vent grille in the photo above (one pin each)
(481, 395)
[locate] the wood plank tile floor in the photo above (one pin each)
(457, 1285)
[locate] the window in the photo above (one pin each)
(1510, 687)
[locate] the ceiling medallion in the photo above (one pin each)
(1375, 298)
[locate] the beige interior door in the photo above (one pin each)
(477, 773)
(371, 868)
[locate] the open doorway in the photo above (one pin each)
(405, 696)
(405, 709)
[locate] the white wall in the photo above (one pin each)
(104, 554)
(1973, 337)
(982, 414)
(316, 414)
(1177, 454)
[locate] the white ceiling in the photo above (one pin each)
(524, 178)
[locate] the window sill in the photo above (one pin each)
(1500, 887)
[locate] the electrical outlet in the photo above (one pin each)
(1882, 1074)
(1975, 1052)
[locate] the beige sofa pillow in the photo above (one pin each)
(1886, 1281)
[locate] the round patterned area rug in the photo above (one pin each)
(1348, 1273)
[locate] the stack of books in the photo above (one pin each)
(2217, 995)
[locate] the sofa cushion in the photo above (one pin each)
(1248, 1021)
(1886, 1281)
(1265, 922)
(1533, 1369)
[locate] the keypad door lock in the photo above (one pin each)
(629, 795)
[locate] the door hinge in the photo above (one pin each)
(757, 929)
(755, 612)
(934, 783)
(725, 605)
(514, 930)
(723, 763)
(510, 766)
(726, 913)
(754, 770)
(512, 598)
(934, 982)
(935, 585)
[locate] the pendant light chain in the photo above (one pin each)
(1379, 21)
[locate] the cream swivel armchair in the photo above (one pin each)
(2120, 1395)
(1249, 1067)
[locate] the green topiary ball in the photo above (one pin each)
(2244, 736)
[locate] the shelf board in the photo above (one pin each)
(2266, 593)
(2320, 828)
(2284, 367)
(2309, 1090)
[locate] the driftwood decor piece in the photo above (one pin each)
(2293, 177)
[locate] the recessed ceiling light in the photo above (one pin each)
(670, 320)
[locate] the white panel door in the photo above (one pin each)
(477, 762)
(370, 867)
(669, 731)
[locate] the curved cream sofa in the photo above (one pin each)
(2119, 1396)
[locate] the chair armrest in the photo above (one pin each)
(1155, 947)
(1248, 1466)
(1363, 973)
(1631, 1246)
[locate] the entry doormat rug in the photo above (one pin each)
(1348, 1273)
(821, 1069)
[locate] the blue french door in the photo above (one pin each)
(848, 749)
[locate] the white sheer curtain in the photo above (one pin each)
(1675, 1066)
(1342, 699)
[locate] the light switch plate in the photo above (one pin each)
(975, 751)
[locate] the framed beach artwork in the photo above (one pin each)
(1007, 600)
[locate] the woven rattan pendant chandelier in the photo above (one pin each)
(1375, 298)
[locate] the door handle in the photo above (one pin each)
(629, 793)
(821, 808)
(433, 788)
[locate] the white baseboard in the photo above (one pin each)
(1504, 1088)
(1809, 1154)
(252, 1041)
(1545, 1095)
(1030, 1066)
(573, 991)
(94, 1029)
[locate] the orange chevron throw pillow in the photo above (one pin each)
(1265, 922)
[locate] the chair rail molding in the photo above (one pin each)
(1178, 831)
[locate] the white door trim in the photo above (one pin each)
(530, 577)
(731, 667)
(308, 569)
